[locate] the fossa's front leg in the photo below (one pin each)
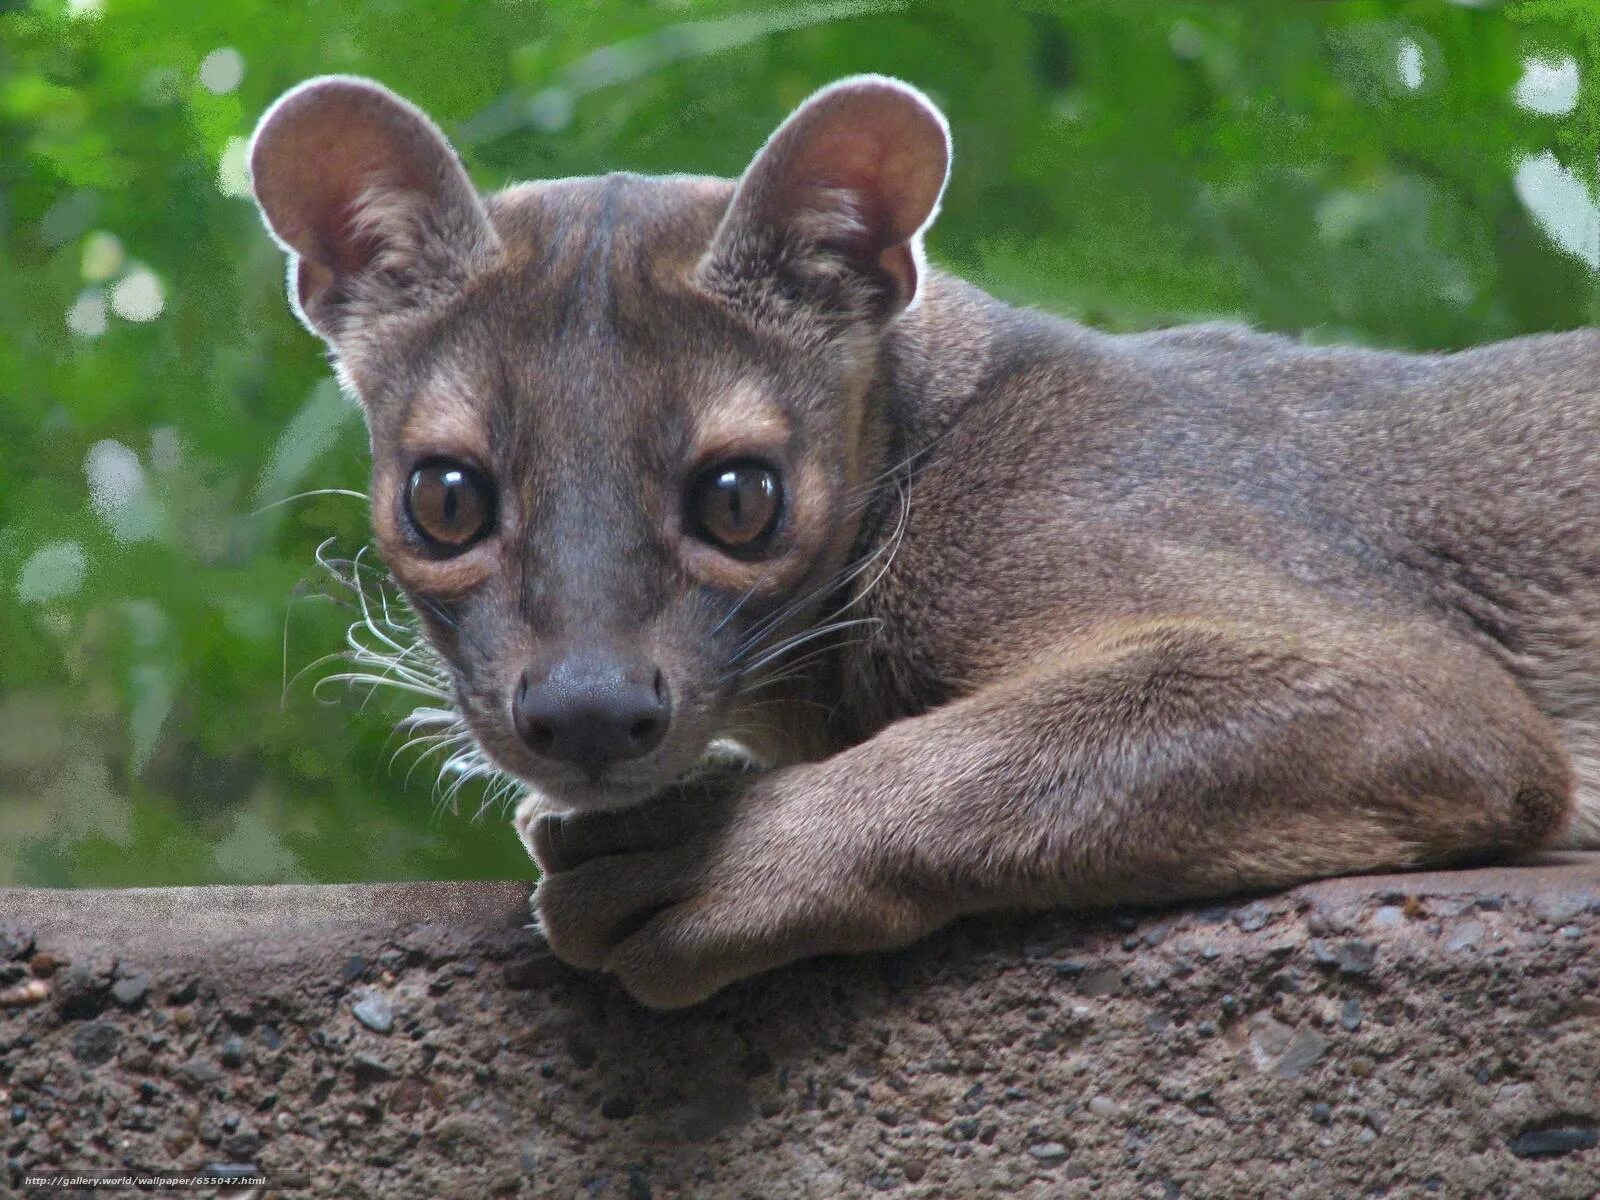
(1149, 761)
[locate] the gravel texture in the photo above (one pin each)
(1396, 1036)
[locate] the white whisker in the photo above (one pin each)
(305, 495)
(386, 650)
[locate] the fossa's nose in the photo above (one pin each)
(592, 711)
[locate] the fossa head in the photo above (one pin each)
(621, 427)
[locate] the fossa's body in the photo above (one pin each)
(1014, 613)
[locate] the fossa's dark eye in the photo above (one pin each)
(450, 504)
(735, 505)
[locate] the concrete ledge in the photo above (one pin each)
(1411, 1035)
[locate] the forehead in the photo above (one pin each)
(594, 305)
(607, 268)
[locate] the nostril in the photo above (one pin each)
(592, 716)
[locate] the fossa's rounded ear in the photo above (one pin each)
(839, 197)
(369, 199)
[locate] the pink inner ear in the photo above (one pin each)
(860, 165)
(325, 149)
(886, 181)
(332, 170)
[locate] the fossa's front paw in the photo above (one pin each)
(708, 884)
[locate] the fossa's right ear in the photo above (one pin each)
(835, 205)
(372, 204)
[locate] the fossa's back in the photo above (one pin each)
(1452, 488)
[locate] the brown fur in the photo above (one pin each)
(1137, 618)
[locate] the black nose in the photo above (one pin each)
(592, 712)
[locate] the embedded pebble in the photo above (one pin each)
(1390, 916)
(1048, 1154)
(130, 991)
(1308, 1046)
(29, 991)
(1547, 1143)
(1558, 910)
(1340, 918)
(200, 1072)
(1465, 935)
(1269, 1038)
(1105, 982)
(375, 1012)
(1350, 1014)
(369, 1070)
(1104, 1106)
(1357, 956)
(96, 1043)
(1252, 916)
(243, 1144)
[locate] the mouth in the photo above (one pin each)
(585, 796)
(574, 793)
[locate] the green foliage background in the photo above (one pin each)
(1346, 170)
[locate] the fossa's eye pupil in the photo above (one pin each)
(735, 505)
(449, 504)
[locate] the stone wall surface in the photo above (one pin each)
(1399, 1036)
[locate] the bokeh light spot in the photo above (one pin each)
(56, 569)
(87, 316)
(1547, 87)
(222, 70)
(117, 490)
(1408, 62)
(102, 256)
(138, 296)
(233, 176)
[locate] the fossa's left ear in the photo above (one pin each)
(370, 200)
(836, 203)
